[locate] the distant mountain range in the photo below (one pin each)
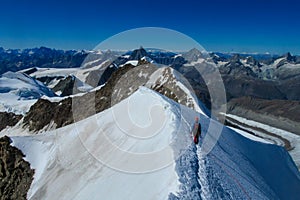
(43, 57)
(15, 59)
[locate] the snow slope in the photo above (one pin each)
(18, 92)
(141, 148)
(291, 137)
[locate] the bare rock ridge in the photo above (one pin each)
(15, 173)
(138, 54)
(44, 111)
(8, 119)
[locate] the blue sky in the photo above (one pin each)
(218, 25)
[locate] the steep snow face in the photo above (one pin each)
(18, 92)
(141, 148)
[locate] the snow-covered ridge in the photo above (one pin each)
(148, 132)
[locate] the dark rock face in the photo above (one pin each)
(67, 86)
(44, 111)
(8, 119)
(30, 71)
(100, 76)
(198, 84)
(107, 73)
(15, 173)
(138, 54)
(290, 58)
(47, 79)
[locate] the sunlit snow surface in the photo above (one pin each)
(103, 158)
(18, 92)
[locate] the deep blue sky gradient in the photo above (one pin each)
(218, 25)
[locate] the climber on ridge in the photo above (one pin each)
(196, 132)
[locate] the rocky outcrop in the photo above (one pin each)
(30, 70)
(15, 173)
(106, 74)
(65, 86)
(8, 119)
(167, 84)
(138, 54)
(48, 79)
(43, 112)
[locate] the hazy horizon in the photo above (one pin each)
(147, 48)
